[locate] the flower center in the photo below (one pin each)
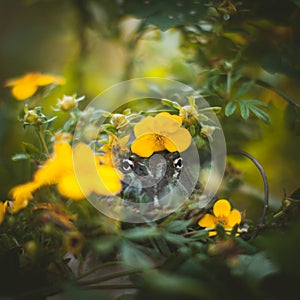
(159, 139)
(222, 220)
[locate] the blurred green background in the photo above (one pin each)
(95, 44)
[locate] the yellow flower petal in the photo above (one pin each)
(169, 145)
(26, 85)
(222, 208)
(57, 165)
(144, 127)
(181, 139)
(44, 79)
(144, 145)
(212, 233)
(21, 195)
(91, 176)
(165, 124)
(24, 91)
(207, 221)
(110, 181)
(174, 117)
(69, 187)
(234, 218)
(3, 206)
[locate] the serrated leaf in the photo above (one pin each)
(230, 108)
(178, 225)
(244, 110)
(260, 114)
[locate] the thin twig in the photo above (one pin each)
(266, 187)
(278, 91)
(42, 140)
(110, 277)
(97, 267)
(112, 287)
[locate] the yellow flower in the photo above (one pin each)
(162, 132)
(3, 206)
(72, 181)
(93, 176)
(223, 215)
(25, 86)
(21, 195)
(115, 147)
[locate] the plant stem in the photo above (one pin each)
(228, 86)
(110, 276)
(42, 139)
(100, 266)
(112, 286)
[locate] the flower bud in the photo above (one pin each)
(189, 114)
(31, 116)
(67, 103)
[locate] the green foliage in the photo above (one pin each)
(238, 55)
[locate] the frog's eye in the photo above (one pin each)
(127, 165)
(178, 164)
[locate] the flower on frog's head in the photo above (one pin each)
(162, 132)
(25, 86)
(3, 206)
(223, 215)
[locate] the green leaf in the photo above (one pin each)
(133, 256)
(230, 108)
(49, 120)
(244, 88)
(170, 103)
(141, 233)
(255, 267)
(260, 114)
(178, 225)
(254, 102)
(19, 156)
(30, 148)
(244, 110)
(175, 238)
(105, 245)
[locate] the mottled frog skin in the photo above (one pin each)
(150, 179)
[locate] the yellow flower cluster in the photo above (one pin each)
(223, 215)
(73, 180)
(162, 132)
